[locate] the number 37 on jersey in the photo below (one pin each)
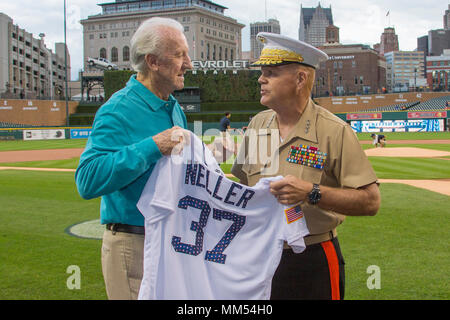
(216, 254)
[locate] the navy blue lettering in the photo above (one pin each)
(219, 181)
(191, 173)
(231, 193)
(207, 182)
(200, 175)
(246, 196)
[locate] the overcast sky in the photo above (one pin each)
(359, 21)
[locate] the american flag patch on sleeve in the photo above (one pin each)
(293, 214)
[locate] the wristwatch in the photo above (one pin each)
(314, 196)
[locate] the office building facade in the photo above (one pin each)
(350, 69)
(405, 70)
(210, 34)
(438, 41)
(272, 25)
(422, 45)
(28, 69)
(438, 72)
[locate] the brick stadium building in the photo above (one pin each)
(438, 71)
(351, 69)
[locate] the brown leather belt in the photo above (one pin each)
(118, 227)
(316, 238)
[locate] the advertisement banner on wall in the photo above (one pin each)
(51, 134)
(80, 133)
(428, 125)
(363, 116)
(423, 114)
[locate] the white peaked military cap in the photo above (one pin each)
(279, 50)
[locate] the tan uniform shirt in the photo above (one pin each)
(262, 154)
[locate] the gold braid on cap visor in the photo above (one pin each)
(277, 56)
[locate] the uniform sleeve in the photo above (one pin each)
(110, 162)
(353, 169)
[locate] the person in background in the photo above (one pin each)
(379, 140)
(225, 122)
(131, 132)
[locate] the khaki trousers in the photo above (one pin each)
(122, 264)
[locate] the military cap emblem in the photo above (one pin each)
(279, 50)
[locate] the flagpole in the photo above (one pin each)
(265, 12)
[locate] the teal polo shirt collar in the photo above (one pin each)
(154, 102)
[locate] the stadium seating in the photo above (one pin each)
(432, 104)
(12, 125)
(395, 107)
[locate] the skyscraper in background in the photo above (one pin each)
(313, 24)
(447, 18)
(272, 25)
(389, 41)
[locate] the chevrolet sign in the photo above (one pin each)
(220, 64)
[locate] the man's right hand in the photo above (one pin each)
(172, 139)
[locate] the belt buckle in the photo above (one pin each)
(114, 228)
(332, 234)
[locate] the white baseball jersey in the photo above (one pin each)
(208, 237)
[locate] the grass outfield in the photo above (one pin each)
(408, 136)
(410, 168)
(80, 143)
(35, 251)
(408, 239)
(18, 145)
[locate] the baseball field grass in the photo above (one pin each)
(408, 136)
(36, 208)
(16, 145)
(407, 241)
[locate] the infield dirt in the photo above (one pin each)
(441, 186)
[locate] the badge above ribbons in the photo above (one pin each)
(307, 156)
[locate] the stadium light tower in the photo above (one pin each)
(65, 66)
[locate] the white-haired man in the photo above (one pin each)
(324, 168)
(130, 133)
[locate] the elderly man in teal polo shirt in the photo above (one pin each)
(131, 132)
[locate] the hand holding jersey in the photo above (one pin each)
(172, 140)
(208, 237)
(321, 159)
(130, 133)
(291, 190)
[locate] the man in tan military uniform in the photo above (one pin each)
(320, 158)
